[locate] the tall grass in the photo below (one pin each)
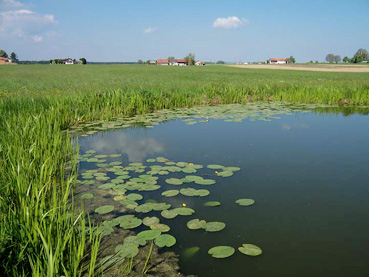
(41, 233)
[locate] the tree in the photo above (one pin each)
(346, 59)
(360, 55)
(291, 59)
(140, 62)
(337, 58)
(190, 59)
(3, 54)
(329, 58)
(83, 60)
(171, 58)
(14, 57)
(220, 62)
(316, 62)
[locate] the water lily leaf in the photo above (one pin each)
(106, 186)
(189, 170)
(104, 209)
(89, 176)
(174, 181)
(202, 192)
(87, 196)
(151, 160)
(98, 174)
(250, 250)
(116, 221)
(196, 224)
(106, 230)
(214, 226)
(225, 173)
(103, 178)
(134, 196)
(88, 182)
(184, 211)
(127, 250)
(221, 251)
(159, 226)
(193, 178)
(165, 240)
(101, 156)
(231, 168)
(149, 234)
(205, 182)
(161, 206)
(212, 204)
(169, 214)
(182, 164)
(136, 240)
(148, 221)
(215, 166)
(102, 165)
(115, 163)
(245, 202)
(170, 193)
(144, 208)
(131, 223)
(93, 160)
(188, 192)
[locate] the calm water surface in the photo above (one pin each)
(309, 176)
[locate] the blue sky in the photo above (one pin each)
(214, 30)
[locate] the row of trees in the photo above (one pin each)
(360, 56)
(13, 56)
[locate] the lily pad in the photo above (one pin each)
(173, 181)
(202, 192)
(131, 223)
(193, 178)
(169, 214)
(134, 196)
(225, 173)
(196, 224)
(245, 202)
(212, 204)
(250, 250)
(188, 192)
(214, 226)
(136, 240)
(104, 209)
(127, 250)
(170, 193)
(215, 166)
(159, 226)
(87, 196)
(184, 211)
(151, 160)
(149, 234)
(205, 182)
(220, 252)
(231, 168)
(165, 240)
(148, 221)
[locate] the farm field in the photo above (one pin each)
(41, 228)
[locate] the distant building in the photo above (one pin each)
(200, 63)
(69, 61)
(277, 61)
(4, 60)
(174, 62)
(162, 62)
(152, 62)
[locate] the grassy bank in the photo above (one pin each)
(40, 231)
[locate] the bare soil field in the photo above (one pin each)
(308, 67)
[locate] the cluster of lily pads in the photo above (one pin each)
(201, 114)
(123, 183)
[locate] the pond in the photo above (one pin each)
(307, 173)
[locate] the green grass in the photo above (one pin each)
(40, 231)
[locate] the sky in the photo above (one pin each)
(232, 31)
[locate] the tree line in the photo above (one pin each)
(361, 55)
(13, 56)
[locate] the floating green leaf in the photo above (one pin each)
(202, 192)
(131, 223)
(159, 226)
(225, 173)
(151, 160)
(150, 220)
(170, 193)
(134, 196)
(215, 166)
(231, 168)
(212, 204)
(165, 240)
(221, 251)
(149, 234)
(184, 211)
(169, 214)
(136, 240)
(196, 224)
(173, 181)
(104, 209)
(115, 163)
(205, 182)
(250, 250)
(214, 226)
(188, 192)
(245, 202)
(87, 196)
(127, 250)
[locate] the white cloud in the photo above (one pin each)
(229, 22)
(150, 30)
(24, 23)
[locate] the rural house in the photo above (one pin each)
(4, 60)
(69, 61)
(200, 63)
(277, 61)
(162, 62)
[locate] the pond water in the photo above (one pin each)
(308, 174)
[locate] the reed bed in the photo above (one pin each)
(41, 232)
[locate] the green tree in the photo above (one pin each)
(14, 57)
(316, 62)
(140, 62)
(190, 59)
(360, 55)
(3, 54)
(220, 62)
(171, 58)
(83, 60)
(337, 58)
(291, 59)
(329, 58)
(346, 59)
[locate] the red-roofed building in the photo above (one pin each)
(162, 62)
(277, 61)
(4, 60)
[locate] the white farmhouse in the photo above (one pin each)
(277, 61)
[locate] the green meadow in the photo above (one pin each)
(41, 230)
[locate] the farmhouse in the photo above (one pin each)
(277, 61)
(162, 62)
(4, 60)
(69, 61)
(200, 63)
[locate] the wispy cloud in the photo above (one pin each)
(231, 22)
(16, 21)
(150, 30)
